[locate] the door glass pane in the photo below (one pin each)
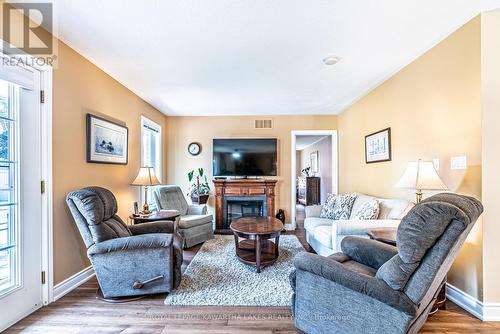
(9, 247)
(4, 99)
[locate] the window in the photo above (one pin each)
(151, 152)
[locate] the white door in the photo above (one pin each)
(20, 195)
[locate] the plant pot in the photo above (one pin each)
(202, 199)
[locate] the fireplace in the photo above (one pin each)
(235, 207)
(235, 198)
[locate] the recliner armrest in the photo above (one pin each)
(370, 286)
(145, 241)
(199, 209)
(313, 210)
(153, 227)
(368, 252)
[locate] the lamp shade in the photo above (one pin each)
(420, 175)
(146, 177)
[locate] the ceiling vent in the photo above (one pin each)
(263, 123)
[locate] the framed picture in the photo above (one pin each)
(378, 146)
(315, 162)
(107, 142)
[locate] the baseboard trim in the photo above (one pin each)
(465, 301)
(491, 312)
(71, 283)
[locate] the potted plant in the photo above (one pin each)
(199, 189)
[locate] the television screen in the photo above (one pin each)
(245, 157)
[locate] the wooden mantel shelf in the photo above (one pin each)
(242, 187)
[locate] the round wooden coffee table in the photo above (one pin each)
(256, 248)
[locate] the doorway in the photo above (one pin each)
(314, 170)
(25, 236)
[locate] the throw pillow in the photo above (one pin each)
(369, 210)
(342, 207)
(327, 209)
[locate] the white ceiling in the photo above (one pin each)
(301, 142)
(256, 57)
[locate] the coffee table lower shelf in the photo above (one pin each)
(246, 252)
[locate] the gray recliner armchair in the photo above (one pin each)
(128, 260)
(195, 224)
(372, 287)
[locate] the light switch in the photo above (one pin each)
(458, 162)
(435, 162)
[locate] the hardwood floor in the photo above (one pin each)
(81, 312)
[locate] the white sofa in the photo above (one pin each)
(324, 235)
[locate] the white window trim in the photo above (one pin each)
(148, 122)
(152, 124)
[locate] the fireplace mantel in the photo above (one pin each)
(242, 188)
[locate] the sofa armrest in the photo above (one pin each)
(136, 242)
(200, 209)
(361, 227)
(153, 227)
(373, 287)
(313, 210)
(368, 252)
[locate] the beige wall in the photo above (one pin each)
(490, 102)
(433, 109)
(183, 130)
(79, 87)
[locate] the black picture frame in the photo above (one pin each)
(102, 157)
(384, 132)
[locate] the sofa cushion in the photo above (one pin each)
(311, 223)
(361, 199)
(341, 209)
(368, 210)
(189, 221)
(394, 208)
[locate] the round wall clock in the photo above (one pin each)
(194, 148)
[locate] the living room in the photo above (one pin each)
(220, 115)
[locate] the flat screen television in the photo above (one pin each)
(245, 157)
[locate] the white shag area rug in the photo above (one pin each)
(215, 276)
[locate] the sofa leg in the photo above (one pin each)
(117, 300)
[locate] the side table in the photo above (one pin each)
(156, 216)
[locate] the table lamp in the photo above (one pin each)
(146, 178)
(420, 175)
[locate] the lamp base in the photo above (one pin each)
(419, 195)
(145, 209)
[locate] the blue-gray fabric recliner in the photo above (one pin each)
(195, 223)
(128, 260)
(371, 287)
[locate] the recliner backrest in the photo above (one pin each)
(428, 239)
(170, 198)
(94, 210)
